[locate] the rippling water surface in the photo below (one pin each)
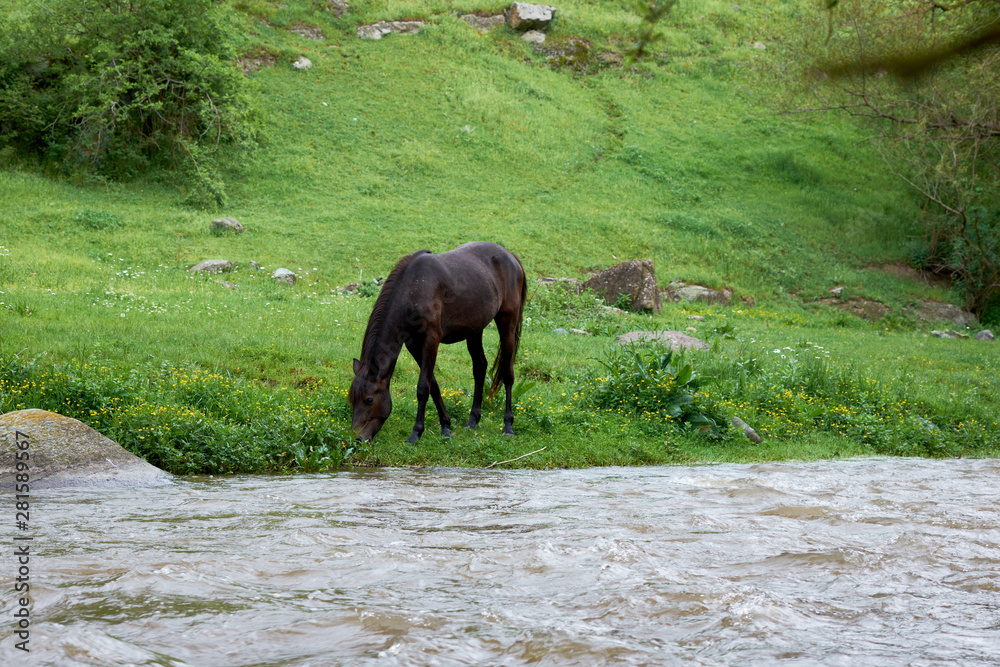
(878, 562)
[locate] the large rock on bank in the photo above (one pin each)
(62, 452)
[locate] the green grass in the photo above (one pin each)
(431, 140)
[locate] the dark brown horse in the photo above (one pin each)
(432, 299)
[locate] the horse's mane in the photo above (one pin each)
(376, 322)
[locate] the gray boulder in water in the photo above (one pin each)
(56, 451)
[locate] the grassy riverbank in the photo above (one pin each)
(430, 140)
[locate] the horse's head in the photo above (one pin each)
(371, 401)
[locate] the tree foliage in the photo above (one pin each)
(924, 76)
(120, 86)
(647, 37)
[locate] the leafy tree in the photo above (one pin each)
(924, 77)
(122, 86)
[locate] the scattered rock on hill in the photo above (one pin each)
(866, 309)
(679, 291)
(949, 333)
(672, 339)
(635, 279)
(228, 225)
(484, 23)
(522, 16)
(985, 334)
(380, 28)
(252, 62)
(611, 58)
(337, 7)
(930, 310)
(307, 31)
(534, 37)
(65, 452)
(285, 276)
(213, 266)
(350, 288)
(567, 283)
(302, 64)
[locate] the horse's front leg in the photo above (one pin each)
(442, 412)
(426, 356)
(479, 366)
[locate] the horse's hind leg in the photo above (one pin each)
(505, 365)
(479, 366)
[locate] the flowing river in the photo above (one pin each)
(861, 562)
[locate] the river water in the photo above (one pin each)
(874, 562)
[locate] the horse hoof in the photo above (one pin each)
(508, 431)
(472, 424)
(413, 438)
(446, 433)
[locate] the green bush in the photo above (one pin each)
(118, 87)
(646, 380)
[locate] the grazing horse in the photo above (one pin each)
(431, 299)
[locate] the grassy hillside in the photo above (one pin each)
(430, 140)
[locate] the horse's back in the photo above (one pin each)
(465, 288)
(493, 259)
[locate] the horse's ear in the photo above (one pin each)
(357, 366)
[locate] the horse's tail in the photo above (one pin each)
(496, 372)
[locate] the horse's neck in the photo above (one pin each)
(385, 349)
(385, 360)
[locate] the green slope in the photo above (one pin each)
(430, 140)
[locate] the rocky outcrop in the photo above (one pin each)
(678, 291)
(337, 7)
(672, 339)
(985, 334)
(213, 266)
(635, 279)
(522, 16)
(930, 310)
(866, 309)
(308, 31)
(252, 62)
(484, 23)
(381, 28)
(228, 225)
(57, 451)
